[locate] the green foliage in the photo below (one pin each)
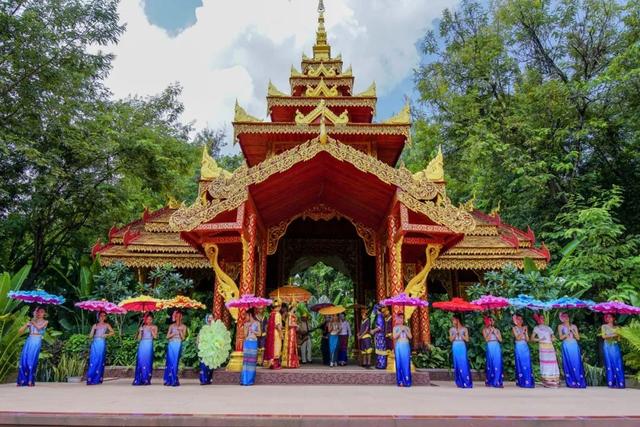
(74, 160)
(121, 351)
(631, 341)
(537, 110)
(606, 261)
(12, 318)
(114, 283)
(433, 358)
(167, 282)
(69, 365)
(594, 375)
(77, 344)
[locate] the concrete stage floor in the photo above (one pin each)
(116, 402)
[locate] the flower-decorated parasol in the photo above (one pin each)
(214, 344)
(141, 303)
(403, 300)
(101, 305)
(615, 307)
(248, 301)
(37, 297)
(568, 302)
(526, 301)
(456, 304)
(291, 293)
(334, 309)
(181, 302)
(491, 302)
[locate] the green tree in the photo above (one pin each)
(534, 102)
(73, 160)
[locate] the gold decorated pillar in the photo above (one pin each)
(247, 282)
(218, 300)
(381, 291)
(394, 246)
(261, 286)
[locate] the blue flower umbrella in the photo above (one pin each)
(527, 301)
(569, 302)
(37, 296)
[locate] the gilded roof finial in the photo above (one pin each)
(321, 50)
(209, 169)
(323, 131)
(434, 170)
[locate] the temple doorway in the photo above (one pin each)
(328, 258)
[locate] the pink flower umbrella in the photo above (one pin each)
(403, 300)
(248, 301)
(491, 302)
(101, 305)
(615, 307)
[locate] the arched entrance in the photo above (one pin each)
(334, 242)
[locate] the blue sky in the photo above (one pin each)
(223, 51)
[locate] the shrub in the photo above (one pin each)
(77, 344)
(433, 358)
(121, 351)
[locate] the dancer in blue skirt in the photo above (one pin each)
(612, 355)
(402, 349)
(175, 335)
(493, 368)
(252, 331)
(459, 336)
(571, 357)
(98, 352)
(28, 363)
(144, 359)
(524, 371)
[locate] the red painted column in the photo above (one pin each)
(395, 260)
(248, 274)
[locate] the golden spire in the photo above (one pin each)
(242, 116)
(209, 169)
(321, 50)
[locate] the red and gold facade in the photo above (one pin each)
(320, 172)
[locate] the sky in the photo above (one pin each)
(220, 51)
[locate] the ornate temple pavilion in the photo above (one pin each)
(320, 183)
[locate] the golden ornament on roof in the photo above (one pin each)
(273, 91)
(209, 169)
(295, 73)
(242, 116)
(321, 70)
(322, 111)
(369, 93)
(322, 90)
(434, 170)
(402, 118)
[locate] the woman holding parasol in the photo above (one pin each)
(524, 371)
(459, 337)
(571, 357)
(609, 332)
(28, 363)
(144, 357)
(98, 334)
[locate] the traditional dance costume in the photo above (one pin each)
(364, 341)
(549, 371)
(97, 355)
(250, 355)
(206, 374)
(493, 369)
(461, 369)
(524, 371)
(403, 357)
(380, 341)
(612, 358)
(572, 359)
(144, 358)
(343, 342)
(28, 363)
(174, 350)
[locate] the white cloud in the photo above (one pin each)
(237, 46)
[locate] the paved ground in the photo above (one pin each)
(442, 399)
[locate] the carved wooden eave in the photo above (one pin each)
(363, 129)
(228, 193)
(346, 102)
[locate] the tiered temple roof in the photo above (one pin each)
(322, 150)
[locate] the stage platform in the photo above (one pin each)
(306, 374)
(442, 404)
